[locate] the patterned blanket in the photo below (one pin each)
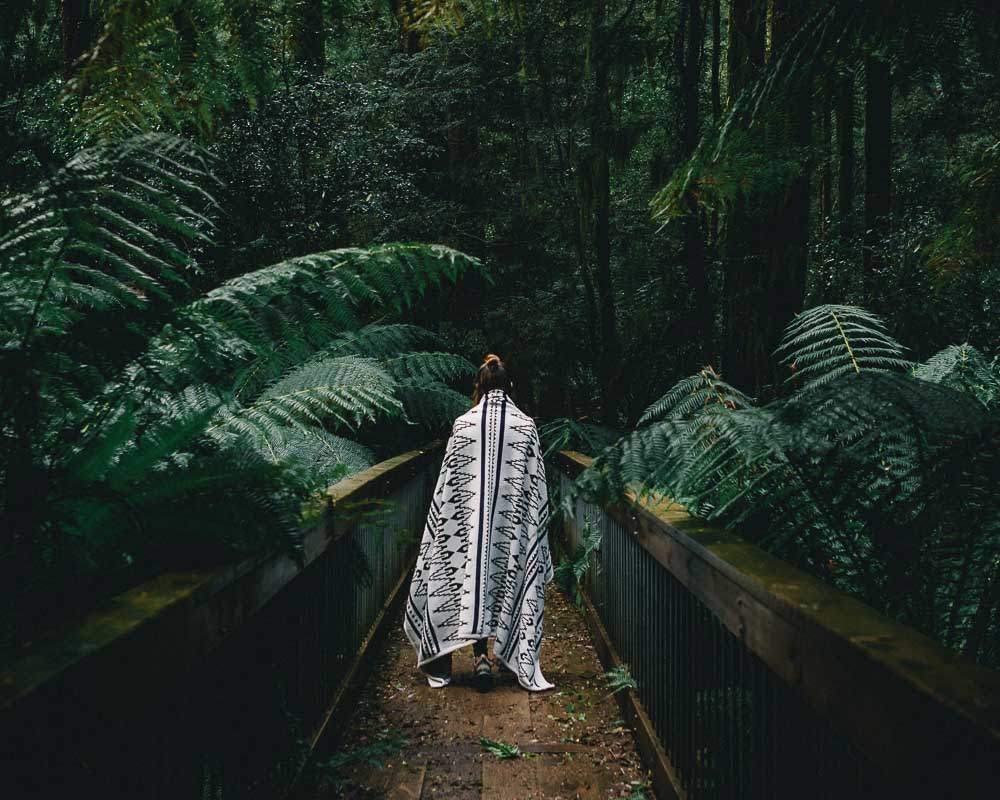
(484, 557)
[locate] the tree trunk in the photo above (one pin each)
(784, 281)
(878, 166)
(742, 255)
(713, 222)
(845, 153)
(77, 33)
(716, 60)
(697, 331)
(410, 41)
(187, 35)
(309, 35)
(600, 138)
(826, 174)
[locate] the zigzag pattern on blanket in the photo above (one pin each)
(484, 557)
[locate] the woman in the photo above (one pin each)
(484, 557)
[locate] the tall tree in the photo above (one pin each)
(784, 279)
(716, 59)
(878, 161)
(600, 142)
(826, 166)
(410, 40)
(845, 150)
(309, 34)
(699, 327)
(77, 32)
(742, 250)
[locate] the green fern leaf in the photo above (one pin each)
(831, 341)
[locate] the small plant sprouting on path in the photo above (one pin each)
(619, 679)
(500, 749)
(374, 753)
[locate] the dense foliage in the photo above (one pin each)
(659, 188)
(872, 472)
(146, 419)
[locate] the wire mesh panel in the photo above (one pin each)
(241, 723)
(731, 727)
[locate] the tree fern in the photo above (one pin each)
(160, 63)
(144, 421)
(381, 341)
(336, 392)
(112, 229)
(873, 478)
(266, 320)
(323, 457)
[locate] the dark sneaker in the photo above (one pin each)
(483, 677)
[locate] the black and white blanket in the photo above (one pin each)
(484, 557)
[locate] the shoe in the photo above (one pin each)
(438, 672)
(483, 677)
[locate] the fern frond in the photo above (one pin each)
(692, 395)
(429, 367)
(566, 433)
(265, 320)
(831, 341)
(963, 368)
(320, 455)
(103, 233)
(382, 341)
(431, 403)
(335, 392)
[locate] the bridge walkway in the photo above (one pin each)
(428, 743)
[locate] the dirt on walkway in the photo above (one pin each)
(406, 740)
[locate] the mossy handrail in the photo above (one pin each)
(909, 705)
(171, 622)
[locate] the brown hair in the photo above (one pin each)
(492, 374)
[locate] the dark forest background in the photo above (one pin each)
(537, 136)
(642, 196)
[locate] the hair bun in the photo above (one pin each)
(492, 361)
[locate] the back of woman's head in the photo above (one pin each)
(492, 374)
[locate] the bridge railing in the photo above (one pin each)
(756, 680)
(215, 684)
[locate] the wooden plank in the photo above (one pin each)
(411, 786)
(507, 718)
(906, 702)
(554, 747)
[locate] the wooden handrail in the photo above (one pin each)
(170, 623)
(910, 705)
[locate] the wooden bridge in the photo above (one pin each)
(287, 676)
